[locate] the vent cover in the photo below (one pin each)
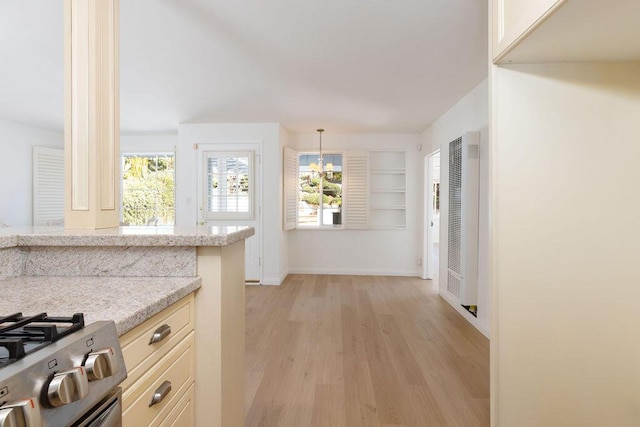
(453, 285)
(455, 205)
(462, 233)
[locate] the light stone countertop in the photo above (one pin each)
(124, 236)
(128, 301)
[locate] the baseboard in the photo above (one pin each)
(455, 303)
(354, 272)
(271, 281)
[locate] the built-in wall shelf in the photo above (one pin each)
(390, 227)
(387, 194)
(388, 171)
(389, 207)
(389, 190)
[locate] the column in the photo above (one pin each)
(92, 109)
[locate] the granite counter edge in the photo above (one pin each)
(129, 322)
(156, 240)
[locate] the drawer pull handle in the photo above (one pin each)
(160, 393)
(159, 334)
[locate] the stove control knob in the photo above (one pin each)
(101, 364)
(68, 386)
(23, 413)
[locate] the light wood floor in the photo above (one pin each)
(361, 351)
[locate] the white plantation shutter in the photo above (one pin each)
(356, 190)
(229, 185)
(48, 186)
(290, 168)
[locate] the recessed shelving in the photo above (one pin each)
(388, 171)
(387, 192)
(389, 207)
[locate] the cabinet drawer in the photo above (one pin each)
(139, 354)
(183, 415)
(177, 367)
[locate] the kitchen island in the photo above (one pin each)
(129, 275)
(138, 298)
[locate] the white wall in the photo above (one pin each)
(267, 134)
(148, 143)
(565, 348)
(383, 252)
(16, 180)
(471, 113)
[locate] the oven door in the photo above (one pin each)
(106, 414)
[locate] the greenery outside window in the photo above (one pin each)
(148, 189)
(319, 195)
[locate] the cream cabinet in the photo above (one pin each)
(160, 359)
(514, 19)
(531, 31)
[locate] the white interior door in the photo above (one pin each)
(230, 193)
(431, 250)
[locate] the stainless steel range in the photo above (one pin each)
(55, 372)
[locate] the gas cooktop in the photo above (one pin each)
(20, 335)
(55, 371)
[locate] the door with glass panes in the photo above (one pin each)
(230, 195)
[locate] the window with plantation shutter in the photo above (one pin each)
(356, 190)
(290, 163)
(229, 185)
(48, 186)
(345, 192)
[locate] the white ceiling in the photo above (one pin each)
(346, 65)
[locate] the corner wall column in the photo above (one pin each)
(92, 114)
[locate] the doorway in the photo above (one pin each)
(230, 193)
(430, 266)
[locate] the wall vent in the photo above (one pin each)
(462, 249)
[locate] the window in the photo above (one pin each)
(48, 186)
(148, 189)
(229, 185)
(343, 201)
(318, 207)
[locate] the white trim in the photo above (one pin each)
(274, 281)
(455, 303)
(354, 272)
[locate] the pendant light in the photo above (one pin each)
(320, 168)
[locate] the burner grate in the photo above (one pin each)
(20, 335)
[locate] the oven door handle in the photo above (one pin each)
(159, 334)
(160, 393)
